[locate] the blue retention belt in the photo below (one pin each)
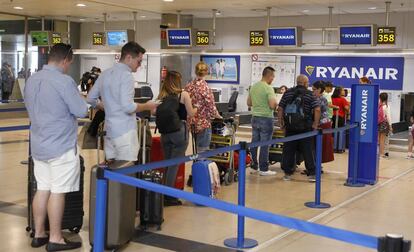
(12, 101)
(335, 130)
(24, 127)
(288, 222)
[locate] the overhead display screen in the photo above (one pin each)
(56, 38)
(356, 35)
(282, 36)
(179, 37)
(98, 38)
(40, 38)
(386, 35)
(203, 38)
(257, 38)
(117, 38)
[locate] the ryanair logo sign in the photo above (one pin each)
(386, 71)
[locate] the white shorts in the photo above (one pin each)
(124, 148)
(58, 175)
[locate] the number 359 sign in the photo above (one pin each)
(257, 38)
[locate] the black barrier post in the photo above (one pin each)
(317, 203)
(241, 242)
(393, 243)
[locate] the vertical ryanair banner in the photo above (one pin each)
(363, 150)
(387, 72)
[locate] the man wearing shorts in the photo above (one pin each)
(115, 88)
(53, 103)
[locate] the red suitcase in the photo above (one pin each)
(157, 155)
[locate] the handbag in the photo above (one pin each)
(87, 141)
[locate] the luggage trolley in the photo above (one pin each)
(276, 150)
(223, 134)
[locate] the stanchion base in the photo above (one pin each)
(24, 162)
(319, 206)
(248, 243)
(349, 184)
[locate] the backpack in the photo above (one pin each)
(381, 115)
(167, 119)
(294, 114)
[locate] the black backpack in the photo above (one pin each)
(167, 119)
(294, 114)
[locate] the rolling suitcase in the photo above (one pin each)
(151, 210)
(150, 204)
(157, 155)
(73, 214)
(121, 208)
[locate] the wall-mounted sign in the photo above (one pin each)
(203, 38)
(356, 35)
(287, 36)
(386, 35)
(179, 37)
(120, 37)
(387, 72)
(98, 38)
(56, 38)
(257, 38)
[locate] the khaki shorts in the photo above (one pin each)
(58, 175)
(124, 148)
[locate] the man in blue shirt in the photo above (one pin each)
(115, 88)
(53, 103)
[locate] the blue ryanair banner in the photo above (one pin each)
(282, 36)
(387, 72)
(356, 35)
(179, 37)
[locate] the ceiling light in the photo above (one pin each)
(82, 19)
(372, 8)
(218, 13)
(305, 11)
(18, 8)
(81, 5)
(143, 16)
(168, 0)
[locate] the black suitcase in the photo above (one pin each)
(73, 214)
(151, 204)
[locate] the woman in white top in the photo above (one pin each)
(384, 123)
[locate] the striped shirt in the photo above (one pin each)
(309, 100)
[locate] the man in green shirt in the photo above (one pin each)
(262, 99)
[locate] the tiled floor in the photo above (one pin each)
(374, 210)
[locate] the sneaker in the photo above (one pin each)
(409, 157)
(267, 173)
(312, 179)
(287, 178)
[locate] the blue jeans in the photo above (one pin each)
(174, 145)
(262, 130)
(203, 140)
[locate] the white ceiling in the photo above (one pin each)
(151, 9)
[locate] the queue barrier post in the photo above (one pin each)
(100, 211)
(393, 243)
(317, 203)
(354, 147)
(241, 242)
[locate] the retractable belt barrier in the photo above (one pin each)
(389, 243)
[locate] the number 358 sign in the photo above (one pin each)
(386, 36)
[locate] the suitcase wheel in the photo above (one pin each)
(32, 235)
(75, 229)
(28, 229)
(236, 178)
(227, 179)
(159, 228)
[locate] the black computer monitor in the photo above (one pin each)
(216, 95)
